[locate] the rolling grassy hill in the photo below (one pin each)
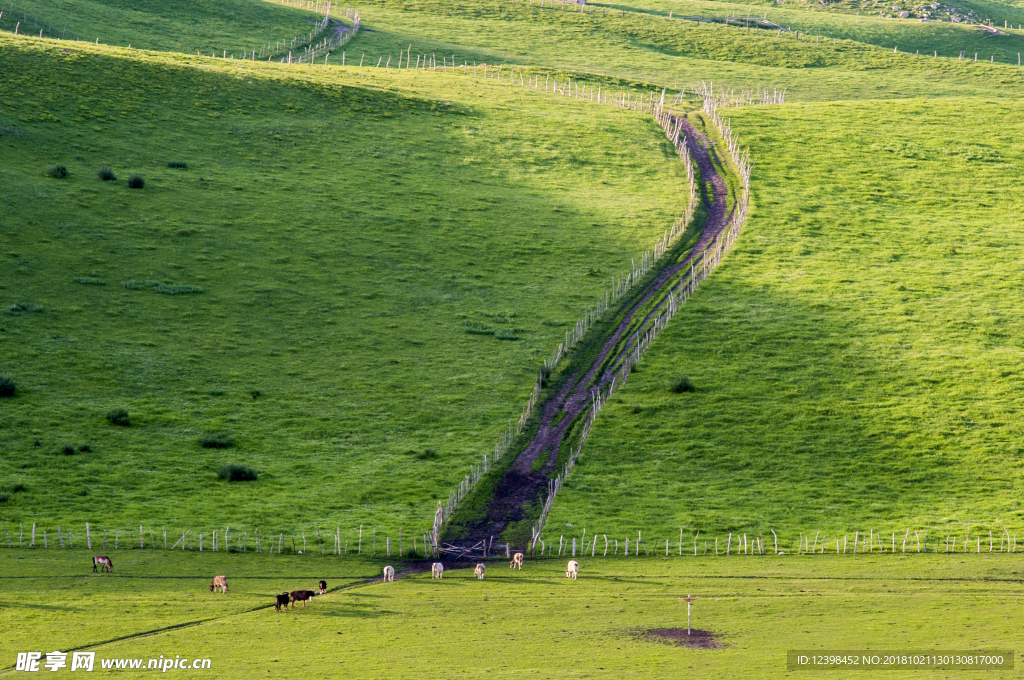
(857, 356)
(646, 48)
(348, 288)
(320, 294)
(234, 26)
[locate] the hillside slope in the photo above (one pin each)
(350, 286)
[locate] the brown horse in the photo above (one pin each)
(104, 562)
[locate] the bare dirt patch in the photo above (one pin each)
(701, 639)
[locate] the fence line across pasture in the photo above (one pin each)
(908, 540)
(312, 45)
(319, 540)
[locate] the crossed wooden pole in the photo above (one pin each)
(689, 599)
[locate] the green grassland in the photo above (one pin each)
(232, 25)
(857, 356)
(147, 591)
(655, 49)
(908, 35)
(529, 623)
(345, 227)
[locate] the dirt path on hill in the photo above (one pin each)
(523, 485)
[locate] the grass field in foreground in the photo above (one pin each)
(532, 623)
(303, 290)
(856, 357)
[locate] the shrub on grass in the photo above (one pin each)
(7, 386)
(428, 454)
(67, 450)
(57, 172)
(180, 165)
(682, 384)
(136, 182)
(26, 307)
(217, 441)
(119, 417)
(173, 288)
(255, 394)
(237, 473)
(479, 328)
(4, 497)
(90, 281)
(132, 285)
(505, 334)
(16, 487)
(545, 375)
(106, 174)
(84, 448)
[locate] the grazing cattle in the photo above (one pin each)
(301, 596)
(389, 574)
(282, 601)
(572, 569)
(104, 562)
(479, 571)
(436, 570)
(219, 582)
(517, 561)
(323, 587)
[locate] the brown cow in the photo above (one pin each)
(282, 600)
(220, 582)
(301, 596)
(103, 562)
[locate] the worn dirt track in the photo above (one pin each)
(522, 486)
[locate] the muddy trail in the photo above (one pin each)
(525, 482)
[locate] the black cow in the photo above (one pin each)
(301, 596)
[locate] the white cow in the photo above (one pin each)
(389, 574)
(517, 561)
(436, 570)
(479, 571)
(572, 569)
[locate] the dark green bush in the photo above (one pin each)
(57, 172)
(172, 288)
(84, 448)
(682, 384)
(428, 454)
(4, 497)
(217, 441)
(16, 487)
(181, 165)
(106, 174)
(119, 416)
(237, 473)
(7, 386)
(26, 307)
(136, 182)
(255, 394)
(67, 450)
